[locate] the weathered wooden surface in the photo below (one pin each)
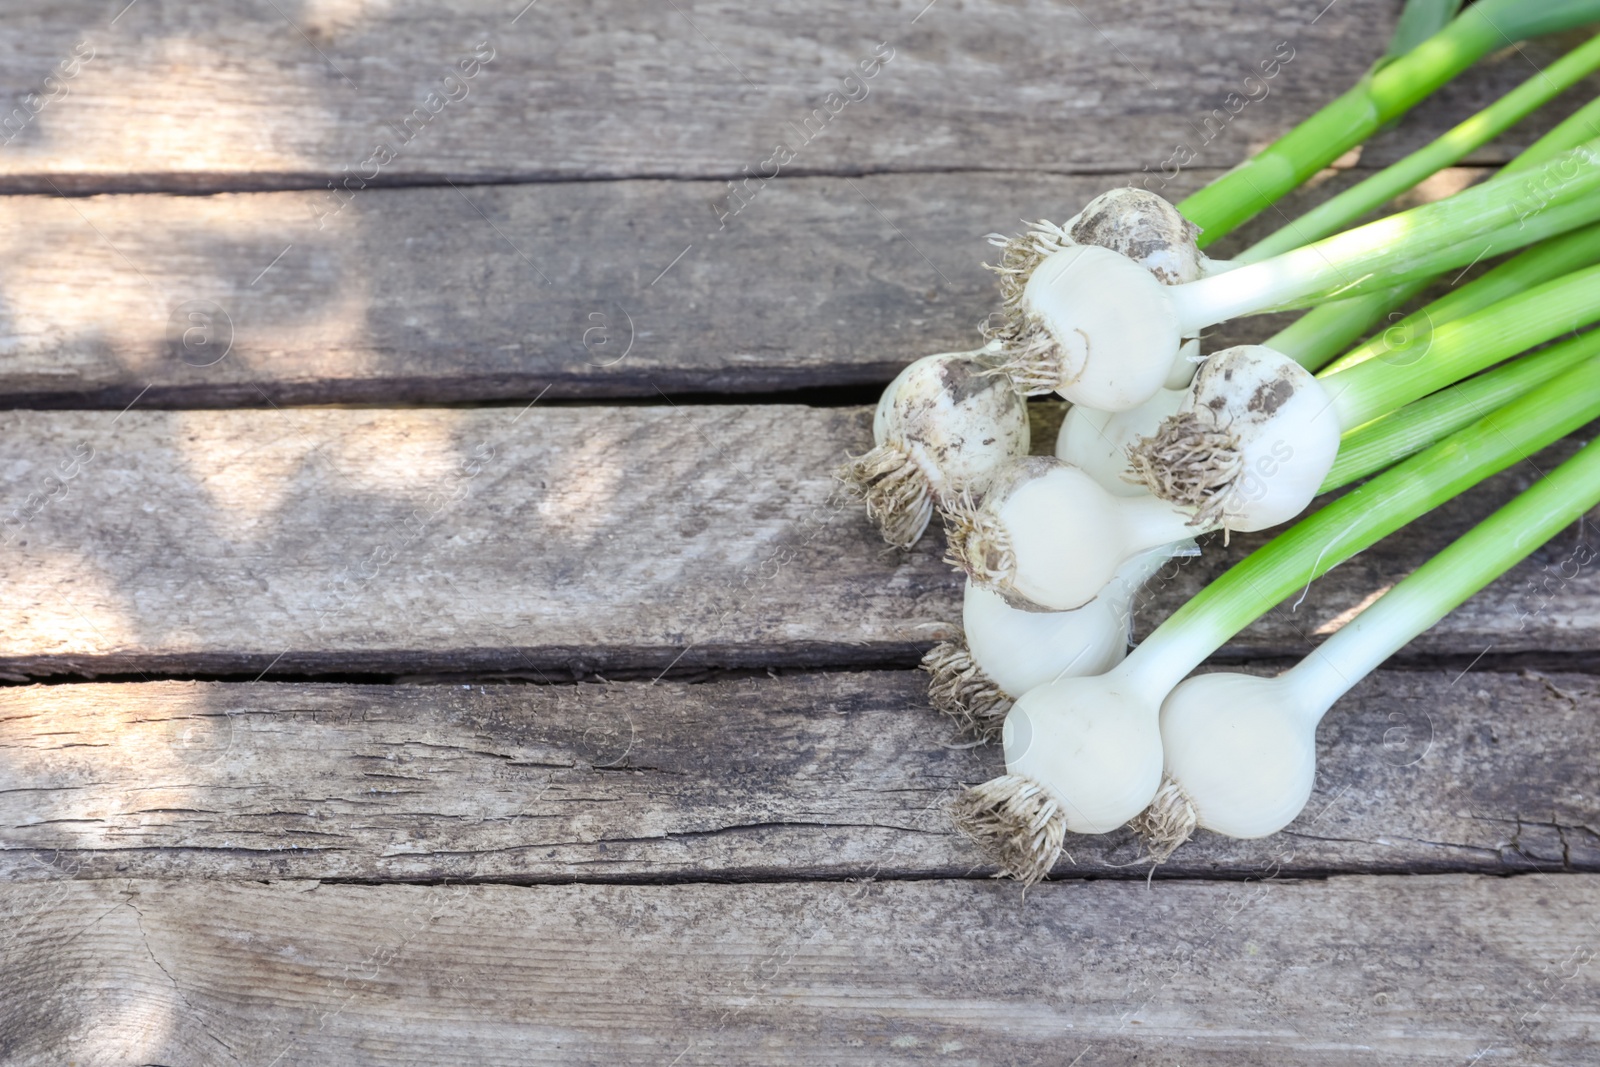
(493, 292)
(1429, 970)
(802, 777)
(591, 288)
(537, 539)
(174, 96)
(673, 539)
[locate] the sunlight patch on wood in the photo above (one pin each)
(582, 486)
(1344, 618)
(63, 603)
(166, 125)
(248, 482)
(93, 286)
(1440, 186)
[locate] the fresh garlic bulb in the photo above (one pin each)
(1241, 756)
(1048, 536)
(1250, 444)
(1147, 229)
(1005, 651)
(943, 427)
(1141, 229)
(1082, 755)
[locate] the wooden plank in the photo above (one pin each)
(165, 96)
(441, 294)
(1430, 970)
(809, 776)
(505, 292)
(640, 539)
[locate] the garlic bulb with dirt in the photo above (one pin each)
(944, 426)
(1132, 222)
(1257, 436)
(1004, 651)
(1249, 445)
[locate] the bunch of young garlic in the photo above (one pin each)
(1160, 445)
(1056, 548)
(1150, 454)
(951, 433)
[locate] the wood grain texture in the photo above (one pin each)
(295, 94)
(799, 777)
(548, 543)
(1415, 971)
(589, 289)
(567, 540)
(482, 293)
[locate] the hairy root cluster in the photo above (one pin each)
(977, 544)
(1029, 356)
(898, 497)
(1015, 820)
(1019, 256)
(1168, 822)
(961, 690)
(1189, 461)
